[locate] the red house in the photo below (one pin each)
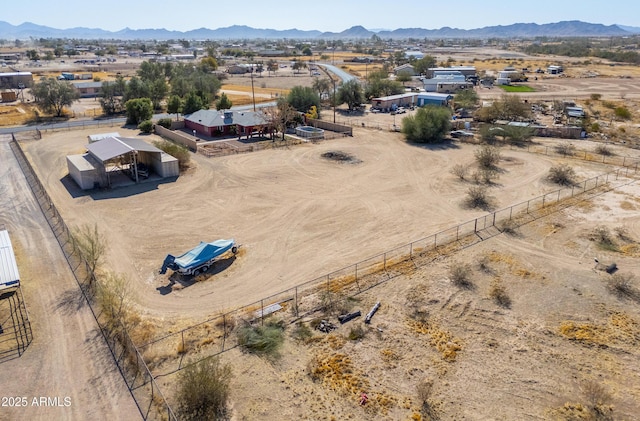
(227, 122)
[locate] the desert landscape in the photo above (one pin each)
(536, 329)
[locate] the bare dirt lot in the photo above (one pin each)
(283, 206)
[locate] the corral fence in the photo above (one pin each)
(141, 383)
(15, 328)
(214, 336)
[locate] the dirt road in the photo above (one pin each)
(68, 357)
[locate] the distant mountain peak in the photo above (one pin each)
(573, 28)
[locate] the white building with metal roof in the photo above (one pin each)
(9, 276)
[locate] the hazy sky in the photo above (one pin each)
(326, 15)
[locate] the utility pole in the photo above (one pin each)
(334, 99)
(253, 93)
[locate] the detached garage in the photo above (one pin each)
(113, 156)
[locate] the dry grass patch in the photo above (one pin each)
(620, 329)
(336, 372)
(443, 341)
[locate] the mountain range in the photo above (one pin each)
(518, 30)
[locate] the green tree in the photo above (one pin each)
(428, 125)
(192, 103)
(138, 110)
(208, 64)
(110, 98)
(174, 105)
(297, 65)
(223, 103)
(323, 87)
(383, 87)
(351, 93)
(466, 98)
(422, 65)
(158, 90)
(272, 66)
(403, 77)
(302, 98)
(282, 115)
(136, 88)
(203, 390)
(32, 55)
(306, 51)
(53, 95)
(509, 108)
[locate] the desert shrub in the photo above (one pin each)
(146, 126)
(608, 104)
(509, 227)
(596, 97)
(165, 122)
(603, 237)
(499, 294)
(203, 390)
(181, 153)
(460, 171)
(603, 149)
(424, 390)
(488, 175)
(356, 333)
(562, 174)
(113, 295)
(597, 400)
(89, 242)
(301, 332)
(567, 149)
(622, 113)
(262, 340)
(622, 285)
(595, 127)
(460, 274)
(335, 303)
(622, 233)
(477, 197)
(487, 156)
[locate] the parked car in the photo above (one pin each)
(461, 133)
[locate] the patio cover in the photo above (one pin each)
(111, 147)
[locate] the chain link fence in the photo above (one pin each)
(141, 383)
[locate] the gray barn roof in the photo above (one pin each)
(9, 275)
(111, 147)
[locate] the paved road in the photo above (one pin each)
(68, 357)
(346, 77)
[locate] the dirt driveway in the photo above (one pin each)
(68, 357)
